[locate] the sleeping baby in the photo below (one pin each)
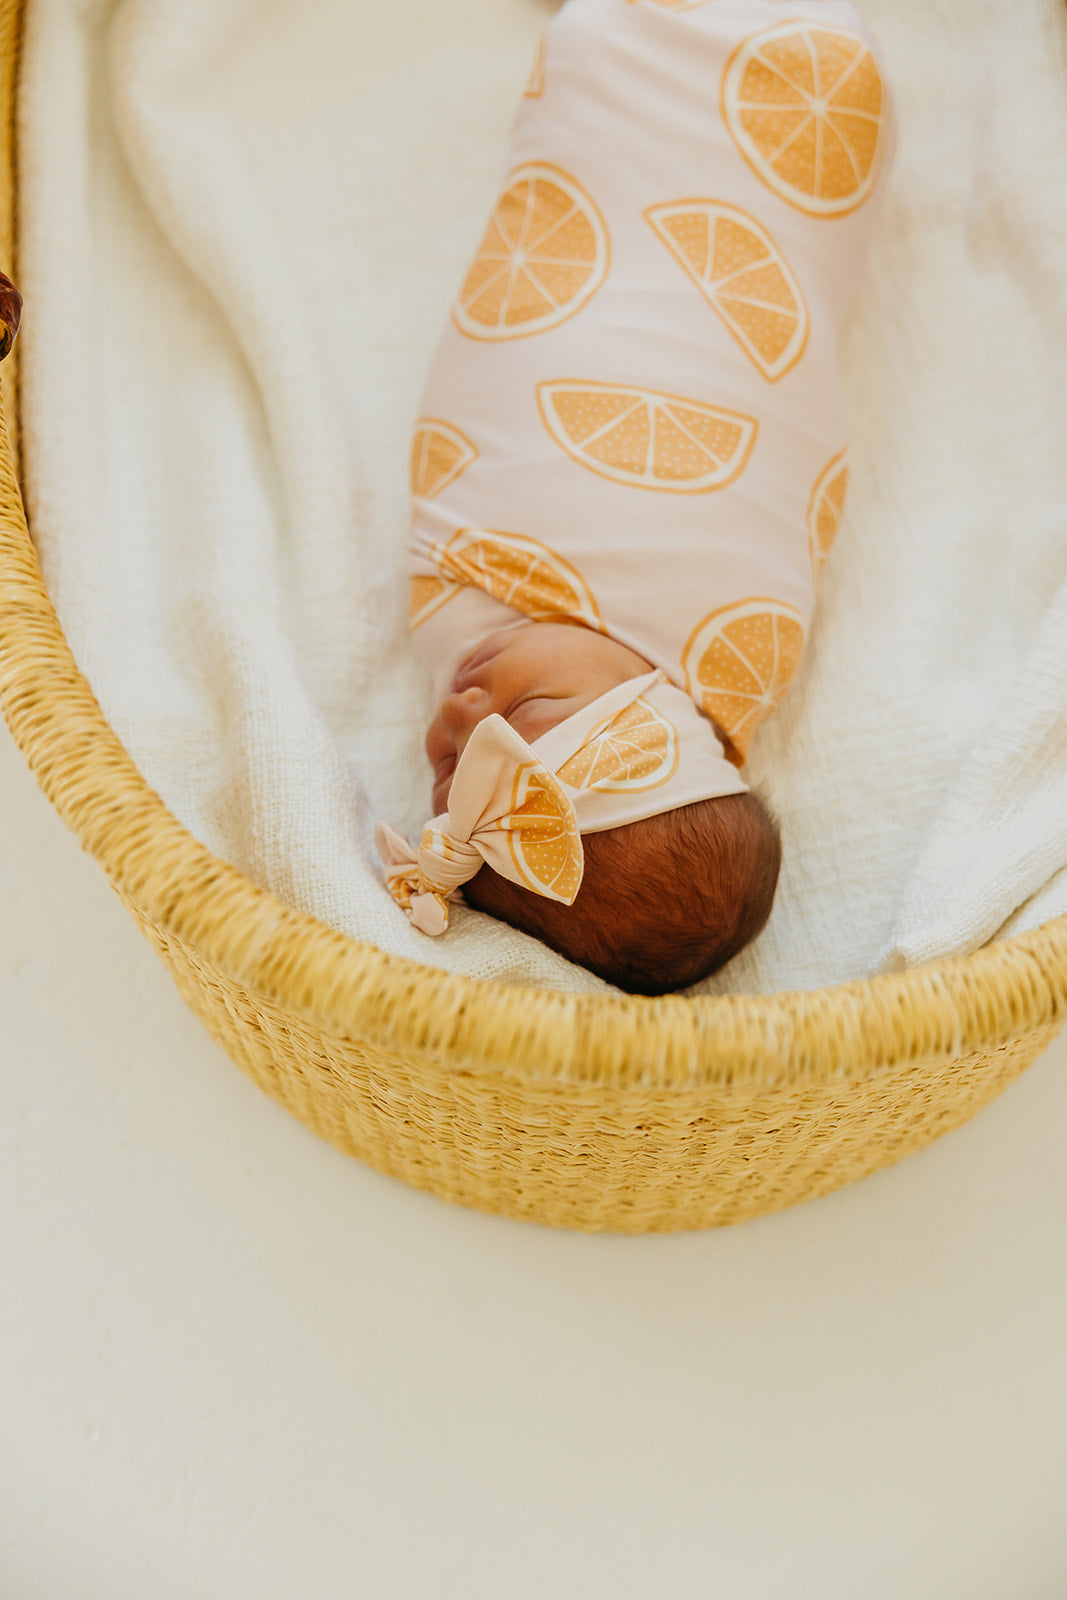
(629, 470)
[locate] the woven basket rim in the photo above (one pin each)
(355, 990)
(840, 1034)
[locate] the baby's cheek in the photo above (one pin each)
(439, 742)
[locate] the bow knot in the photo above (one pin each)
(505, 809)
(641, 748)
(425, 905)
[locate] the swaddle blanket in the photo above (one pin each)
(241, 227)
(634, 419)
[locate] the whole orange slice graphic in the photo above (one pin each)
(806, 107)
(826, 509)
(519, 572)
(544, 255)
(739, 662)
(633, 751)
(742, 274)
(647, 439)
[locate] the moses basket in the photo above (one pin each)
(594, 1112)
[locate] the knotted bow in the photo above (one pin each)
(505, 809)
(640, 749)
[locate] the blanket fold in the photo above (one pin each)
(241, 226)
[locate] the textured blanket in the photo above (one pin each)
(242, 224)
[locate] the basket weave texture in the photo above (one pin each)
(583, 1111)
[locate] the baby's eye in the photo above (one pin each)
(534, 716)
(532, 700)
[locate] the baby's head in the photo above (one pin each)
(664, 901)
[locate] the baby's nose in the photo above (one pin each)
(461, 713)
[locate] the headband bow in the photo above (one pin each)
(641, 749)
(504, 808)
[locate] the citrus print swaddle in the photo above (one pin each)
(633, 422)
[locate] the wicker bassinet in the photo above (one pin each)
(587, 1112)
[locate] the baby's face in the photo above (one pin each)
(533, 676)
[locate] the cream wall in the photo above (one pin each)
(235, 1365)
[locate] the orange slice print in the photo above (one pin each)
(544, 255)
(427, 595)
(742, 274)
(805, 106)
(535, 86)
(633, 751)
(826, 508)
(739, 662)
(439, 453)
(543, 838)
(647, 439)
(519, 572)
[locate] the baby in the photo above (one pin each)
(629, 470)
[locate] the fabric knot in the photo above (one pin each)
(505, 809)
(640, 749)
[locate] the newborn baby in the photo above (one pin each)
(629, 470)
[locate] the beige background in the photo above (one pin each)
(235, 1365)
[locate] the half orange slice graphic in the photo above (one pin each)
(633, 751)
(545, 847)
(428, 594)
(439, 453)
(519, 572)
(739, 662)
(806, 108)
(826, 509)
(742, 274)
(647, 439)
(535, 84)
(544, 255)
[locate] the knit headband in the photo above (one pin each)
(639, 750)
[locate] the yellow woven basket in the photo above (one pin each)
(587, 1112)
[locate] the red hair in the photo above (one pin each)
(664, 902)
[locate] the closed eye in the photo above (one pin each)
(539, 711)
(532, 700)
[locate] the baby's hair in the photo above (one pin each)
(664, 902)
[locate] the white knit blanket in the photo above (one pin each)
(241, 226)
